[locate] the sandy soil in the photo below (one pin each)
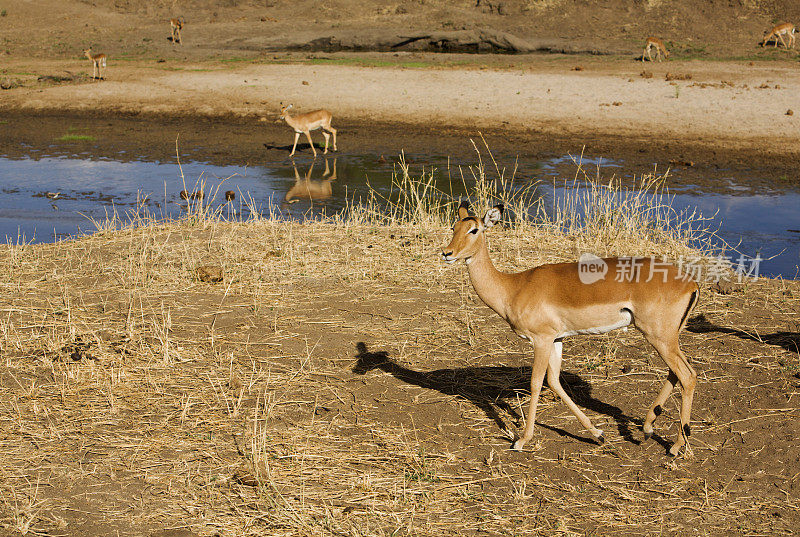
(727, 108)
(236, 61)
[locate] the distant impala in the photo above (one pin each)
(777, 32)
(176, 25)
(305, 123)
(98, 62)
(656, 43)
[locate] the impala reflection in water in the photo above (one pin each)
(308, 189)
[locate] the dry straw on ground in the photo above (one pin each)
(341, 381)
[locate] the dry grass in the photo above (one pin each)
(341, 381)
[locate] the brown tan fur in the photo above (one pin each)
(656, 43)
(777, 33)
(305, 123)
(549, 302)
(98, 63)
(176, 25)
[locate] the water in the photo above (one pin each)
(44, 198)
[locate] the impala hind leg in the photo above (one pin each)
(657, 407)
(327, 137)
(553, 380)
(333, 132)
(687, 377)
(542, 352)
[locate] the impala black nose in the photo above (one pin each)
(446, 254)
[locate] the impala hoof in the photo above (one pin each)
(647, 435)
(601, 439)
(517, 446)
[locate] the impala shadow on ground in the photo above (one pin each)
(301, 147)
(491, 387)
(789, 341)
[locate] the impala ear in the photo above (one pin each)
(493, 215)
(463, 210)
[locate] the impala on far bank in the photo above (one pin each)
(545, 304)
(98, 63)
(310, 121)
(777, 33)
(656, 43)
(176, 25)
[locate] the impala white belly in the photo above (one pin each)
(625, 319)
(311, 127)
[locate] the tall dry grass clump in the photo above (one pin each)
(603, 216)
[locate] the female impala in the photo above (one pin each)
(305, 123)
(176, 25)
(98, 62)
(656, 43)
(550, 302)
(777, 33)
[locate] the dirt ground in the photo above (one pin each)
(341, 381)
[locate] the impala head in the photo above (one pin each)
(284, 110)
(468, 233)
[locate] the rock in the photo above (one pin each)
(725, 287)
(209, 273)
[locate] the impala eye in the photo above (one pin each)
(473, 230)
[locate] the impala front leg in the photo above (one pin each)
(542, 351)
(296, 137)
(554, 381)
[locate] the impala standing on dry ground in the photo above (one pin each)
(305, 123)
(176, 26)
(656, 43)
(777, 33)
(550, 302)
(98, 62)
